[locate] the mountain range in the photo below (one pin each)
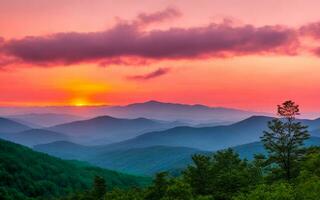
(147, 160)
(104, 129)
(182, 112)
(171, 149)
(33, 137)
(99, 130)
(127, 144)
(38, 120)
(208, 138)
(194, 114)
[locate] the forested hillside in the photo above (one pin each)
(25, 174)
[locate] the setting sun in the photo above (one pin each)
(80, 102)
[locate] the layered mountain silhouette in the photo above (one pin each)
(145, 161)
(37, 120)
(194, 114)
(204, 138)
(171, 149)
(105, 129)
(99, 130)
(33, 137)
(11, 126)
(182, 112)
(207, 138)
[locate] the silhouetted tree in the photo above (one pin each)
(284, 139)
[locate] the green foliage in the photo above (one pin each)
(308, 182)
(222, 175)
(132, 194)
(159, 188)
(178, 190)
(280, 191)
(284, 141)
(27, 174)
(308, 188)
(198, 175)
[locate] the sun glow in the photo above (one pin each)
(80, 102)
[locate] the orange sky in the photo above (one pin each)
(256, 75)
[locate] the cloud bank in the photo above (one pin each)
(130, 40)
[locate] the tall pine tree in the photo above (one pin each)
(284, 139)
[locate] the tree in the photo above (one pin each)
(99, 187)
(231, 174)
(178, 190)
(221, 176)
(199, 174)
(284, 139)
(159, 188)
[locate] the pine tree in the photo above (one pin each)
(284, 139)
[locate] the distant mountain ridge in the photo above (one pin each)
(25, 135)
(195, 114)
(183, 112)
(45, 119)
(32, 137)
(99, 130)
(172, 148)
(147, 160)
(142, 132)
(208, 138)
(106, 128)
(11, 126)
(204, 138)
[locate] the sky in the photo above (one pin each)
(243, 54)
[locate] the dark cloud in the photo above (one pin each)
(130, 40)
(151, 75)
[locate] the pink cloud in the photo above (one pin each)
(312, 30)
(151, 75)
(169, 13)
(129, 40)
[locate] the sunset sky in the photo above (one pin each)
(244, 54)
